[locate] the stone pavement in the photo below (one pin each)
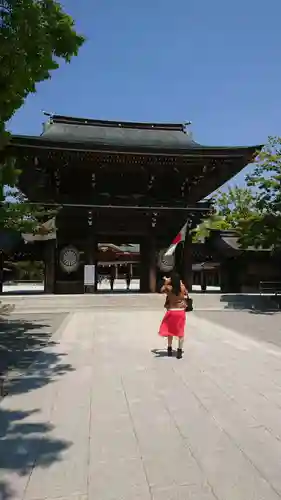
(99, 416)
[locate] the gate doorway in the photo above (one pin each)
(118, 268)
(206, 277)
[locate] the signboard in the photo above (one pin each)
(89, 275)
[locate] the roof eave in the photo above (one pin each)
(22, 141)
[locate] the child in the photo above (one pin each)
(173, 323)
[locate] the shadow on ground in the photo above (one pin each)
(5, 491)
(160, 353)
(254, 304)
(28, 362)
(24, 445)
(21, 344)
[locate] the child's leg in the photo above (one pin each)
(180, 346)
(181, 342)
(170, 343)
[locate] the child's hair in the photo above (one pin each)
(175, 283)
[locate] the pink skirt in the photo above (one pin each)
(173, 324)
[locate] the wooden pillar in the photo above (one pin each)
(50, 266)
(91, 252)
(148, 265)
(152, 265)
(187, 261)
(143, 267)
(95, 253)
(1, 271)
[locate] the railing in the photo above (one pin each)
(270, 287)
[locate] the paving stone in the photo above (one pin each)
(173, 468)
(115, 419)
(72, 497)
(118, 480)
(190, 492)
(113, 442)
(61, 478)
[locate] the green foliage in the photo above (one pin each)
(16, 212)
(24, 217)
(230, 208)
(254, 211)
(266, 178)
(264, 228)
(27, 270)
(261, 231)
(235, 205)
(202, 231)
(34, 36)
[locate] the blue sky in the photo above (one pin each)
(216, 63)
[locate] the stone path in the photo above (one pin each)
(101, 417)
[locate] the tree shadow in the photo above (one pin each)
(21, 344)
(21, 443)
(24, 445)
(6, 493)
(27, 362)
(253, 303)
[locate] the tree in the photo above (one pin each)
(231, 209)
(263, 228)
(34, 36)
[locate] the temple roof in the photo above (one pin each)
(162, 163)
(123, 134)
(81, 133)
(228, 241)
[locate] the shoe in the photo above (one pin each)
(170, 352)
(179, 353)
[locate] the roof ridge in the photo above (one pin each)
(69, 120)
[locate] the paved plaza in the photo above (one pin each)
(96, 411)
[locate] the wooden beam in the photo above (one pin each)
(202, 207)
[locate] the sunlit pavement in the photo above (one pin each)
(103, 414)
(119, 285)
